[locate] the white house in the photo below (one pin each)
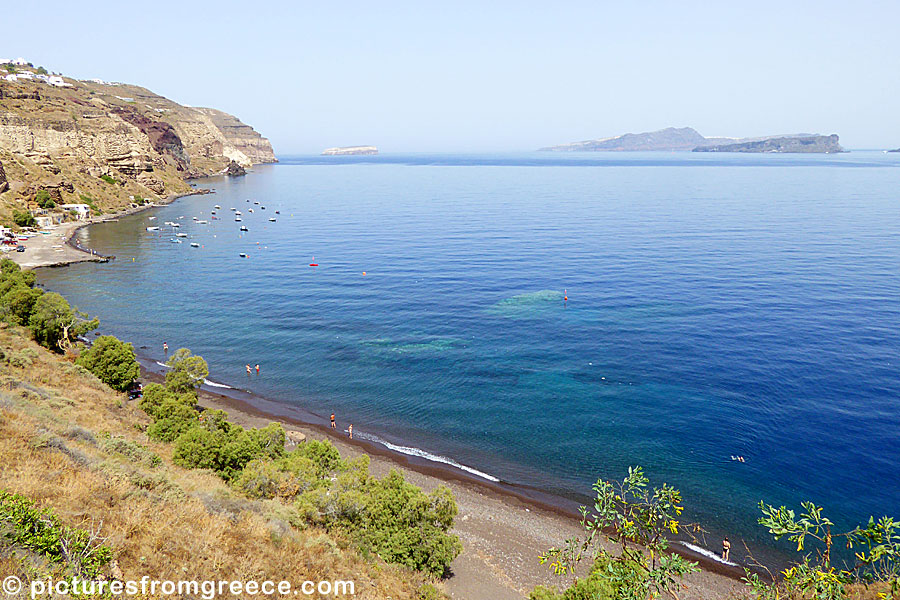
(10, 77)
(57, 81)
(20, 62)
(5, 61)
(44, 222)
(82, 211)
(25, 75)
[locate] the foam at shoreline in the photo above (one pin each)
(708, 554)
(418, 452)
(205, 381)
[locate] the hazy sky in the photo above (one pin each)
(481, 76)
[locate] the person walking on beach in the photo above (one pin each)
(333, 426)
(726, 549)
(350, 430)
(257, 369)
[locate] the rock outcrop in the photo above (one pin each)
(818, 144)
(350, 151)
(235, 170)
(4, 184)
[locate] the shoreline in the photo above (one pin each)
(503, 526)
(514, 525)
(42, 252)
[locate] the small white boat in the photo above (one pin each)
(202, 222)
(174, 241)
(153, 229)
(195, 218)
(277, 212)
(217, 207)
(181, 234)
(176, 224)
(250, 210)
(232, 208)
(254, 202)
(212, 212)
(272, 219)
(242, 255)
(237, 219)
(244, 228)
(238, 213)
(151, 218)
(195, 245)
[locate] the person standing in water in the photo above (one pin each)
(726, 549)
(350, 430)
(257, 369)
(248, 370)
(333, 426)
(166, 348)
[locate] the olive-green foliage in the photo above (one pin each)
(41, 531)
(226, 450)
(112, 361)
(23, 218)
(44, 200)
(429, 592)
(187, 371)
(109, 179)
(54, 323)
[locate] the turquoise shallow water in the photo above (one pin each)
(717, 306)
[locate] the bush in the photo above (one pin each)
(23, 218)
(44, 200)
(112, 361)
(187, 371)
(108, 179)
(41, 531)
(260, 479)
(55, 324)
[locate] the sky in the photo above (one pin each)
(489, 76)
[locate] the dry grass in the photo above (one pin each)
(161, 521)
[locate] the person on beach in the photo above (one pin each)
(726, 549)
(333, 426)
(350, 430)
(257, 369)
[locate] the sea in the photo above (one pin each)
(729, 322)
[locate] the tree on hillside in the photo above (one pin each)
(187, 371)
(112, 361)
(55, 324)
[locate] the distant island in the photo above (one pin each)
(820, 144)
(350, 151)
(674, 139)
(896, 150)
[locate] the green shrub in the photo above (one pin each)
(175, 416)
(23, 218)
(112, 361)
(44, 200)
(41, 531)
(110, 180)
(55, 324)
(429, 592)
(20, 360)
(130, 450)
(260, 479)
(187, 371)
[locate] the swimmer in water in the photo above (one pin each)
(248, 370)
(257, 369)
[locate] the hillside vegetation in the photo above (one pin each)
(96, 485)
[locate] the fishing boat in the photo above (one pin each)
(195, 245)
(181, 235)
(262, 208)
(232, 208)
(237, 219)
(255, 202)
(242, 255)
(277, 212)
(151, 218)
(202, 222)
(176, 224)
(244, 228)
(153, 229)
(249, 210)
(217, 207)
(174, 241)
(272, 219)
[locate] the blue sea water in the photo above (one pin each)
(718, 305)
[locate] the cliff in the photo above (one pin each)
(820, 144)
(110, 145)
(350, 151)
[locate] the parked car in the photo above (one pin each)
(20, 248)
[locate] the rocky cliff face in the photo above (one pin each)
(114, 143)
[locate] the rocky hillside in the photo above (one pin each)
(819, 144)
(110, 145)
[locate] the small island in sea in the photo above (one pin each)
(683, 139)
(350, 151)
(894, 150)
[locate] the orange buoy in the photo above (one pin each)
(565, 295)
(364, 272)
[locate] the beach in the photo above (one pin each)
(502, 533)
